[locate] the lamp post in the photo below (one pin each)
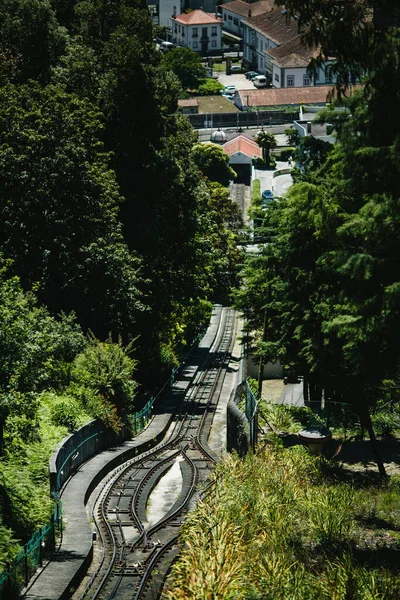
(220, 116)
(211, 112)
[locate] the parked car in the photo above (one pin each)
(228, 96)
(229, 89)
(251, 74)
(267, 195)
(260, 81)
(236, 69)
(166, 46)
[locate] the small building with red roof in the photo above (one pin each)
(241, 150)
(198, 30)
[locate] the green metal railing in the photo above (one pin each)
(31, 555)
(251, 414)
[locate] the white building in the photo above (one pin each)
(235, 12)
(161, 11)
(272, 45)
(197, 30)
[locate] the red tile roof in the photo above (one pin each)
(239, 7)
(197, 17)
(241, 143)
(293, 53)
(285, 96)
(275, 26)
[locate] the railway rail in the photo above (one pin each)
(135, 554)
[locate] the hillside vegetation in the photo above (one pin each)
(114, 244)
(283, 525)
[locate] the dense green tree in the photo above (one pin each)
(213, 162)
(36, 352)
(310, 155)
(30, 38)
(105, 370)
(79, 71)
(293, 136)
(59, 214)
(186, 65)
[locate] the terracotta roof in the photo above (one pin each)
(241, 143)
(285, 96)
(274, 25)
(292, 53)
(242, 8)
(197, 17)
(188, 102)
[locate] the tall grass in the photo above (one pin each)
(275, 529)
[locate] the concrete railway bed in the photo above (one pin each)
(135, 546)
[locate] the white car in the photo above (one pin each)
(229, 89)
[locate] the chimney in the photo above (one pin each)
(174, 13)
(216, 11)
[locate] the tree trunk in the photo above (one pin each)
(366, 422)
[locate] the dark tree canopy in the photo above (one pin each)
(59, 215)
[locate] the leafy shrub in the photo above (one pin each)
(65, 413)
(209, 87)
(259, 163)
(107, 370)
(286, 153)
(385, 423)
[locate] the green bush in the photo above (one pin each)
(65, 413)
(209, 87)
(259, 163)
(286, 153)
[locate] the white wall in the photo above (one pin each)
(183, 36)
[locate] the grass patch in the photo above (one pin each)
(256, 192)
(278, 526)
(212, 104)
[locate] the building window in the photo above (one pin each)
(290, 81)
(236, 22)
(306, 80)
(276, 77)
(229, 17)
(213, 31)
(195, 45)
(328, 75)
(214, 43)
(316, 76)
(175, 27)
(153, 10)
(194, 34)
(224, 17)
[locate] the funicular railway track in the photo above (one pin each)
(137, 555)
